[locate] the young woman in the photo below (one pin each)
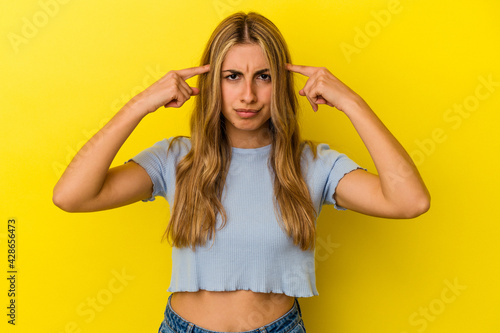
(244, 190)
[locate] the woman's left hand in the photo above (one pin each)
(397, 191)
(323, 87)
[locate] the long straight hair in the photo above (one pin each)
(201, 174)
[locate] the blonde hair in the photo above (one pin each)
(201, 174)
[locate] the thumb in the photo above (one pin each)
(301, 92)
(195, 90)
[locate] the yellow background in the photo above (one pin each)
(65, 75)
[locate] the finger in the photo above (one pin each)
(176, 103)
(321, 100)
(191, 91)
(185, 88)
(315, 92)
(306, 91)
(313, 104)
(180, 96)
(195, 90)
(171, 104)
(304, 70)
(192, 71)
(185, 94)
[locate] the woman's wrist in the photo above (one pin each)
(357, 107)
(136, 108)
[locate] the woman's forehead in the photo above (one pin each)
(245, 58)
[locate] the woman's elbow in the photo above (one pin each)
(417, 207)
(62, 201)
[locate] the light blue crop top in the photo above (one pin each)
(251, 252)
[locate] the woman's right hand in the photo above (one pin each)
(171, 90)
(88, 184)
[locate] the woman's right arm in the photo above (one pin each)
(88, 184)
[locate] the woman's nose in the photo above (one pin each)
(248, 94)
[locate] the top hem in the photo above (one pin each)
(264, 292)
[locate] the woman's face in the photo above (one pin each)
(246, 94)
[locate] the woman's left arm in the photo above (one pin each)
(397, 191)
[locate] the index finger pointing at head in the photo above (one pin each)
(304, 70)
(192, 71)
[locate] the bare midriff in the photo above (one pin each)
(230, 311)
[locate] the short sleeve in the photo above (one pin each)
(160, 164)
(336, 165)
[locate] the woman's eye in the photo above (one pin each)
(232, 77)
(265, 77)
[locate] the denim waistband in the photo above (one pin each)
(282, 324)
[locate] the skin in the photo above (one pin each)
(246, 84)
(89, 184)
(397, 191)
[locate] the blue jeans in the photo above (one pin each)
(290, 322)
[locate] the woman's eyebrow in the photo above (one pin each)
(233, 71)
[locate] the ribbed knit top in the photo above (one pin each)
(252, 252)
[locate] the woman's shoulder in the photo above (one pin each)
(320, 154)
(178, 143)
(174, 146)
(314, 149)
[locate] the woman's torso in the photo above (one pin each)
(230, 311)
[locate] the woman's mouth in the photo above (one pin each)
(246, 113)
